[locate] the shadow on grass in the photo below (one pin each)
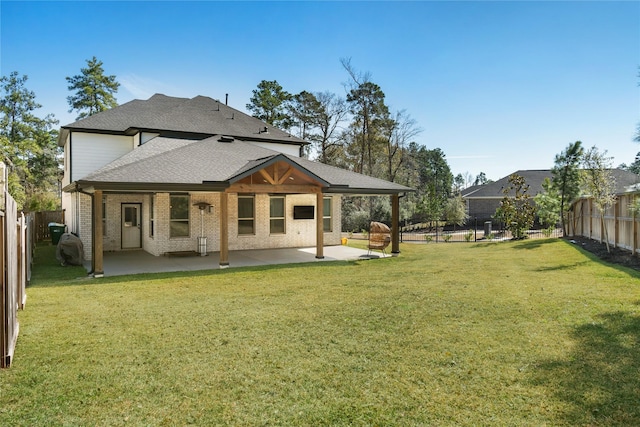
(599, 380)
(517, 244)
(218, 272)
(564, 266)
(533, 243)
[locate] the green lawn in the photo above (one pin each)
(520, 333)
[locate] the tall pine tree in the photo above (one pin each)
(566, 178)
(94, 91)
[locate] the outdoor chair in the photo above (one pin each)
(379, 237)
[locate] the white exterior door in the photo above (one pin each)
(131, 231)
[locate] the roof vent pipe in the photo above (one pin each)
(226, 99)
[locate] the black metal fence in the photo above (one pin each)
(470, 234)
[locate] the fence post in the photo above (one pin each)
(475, 229)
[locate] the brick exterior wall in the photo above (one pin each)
(298, 233)
(84, 223)
(485, 209)
(482, 209)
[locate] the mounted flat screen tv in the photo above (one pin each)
(303, 212)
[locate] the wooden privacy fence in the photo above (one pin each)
(620, 226)
(41, 221)
(15, 264)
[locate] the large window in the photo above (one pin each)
(179, 215)
(276, 215)
(246, 216)
(327, 223)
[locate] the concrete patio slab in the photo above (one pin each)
(139, 261)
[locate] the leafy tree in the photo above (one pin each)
(481, 179)
(304, 110)
(318, 118)
(370, 115)
(270, 103)
(455, 210)
(633, 167)
(354, 217)
(599, 183)
(566, 178)
(28, 143)
(634, 208)
(458, 183)
(398, 133)
(517, 212)
(435, 181)
(548, 204)
(94, 91)
(329, 141)
(409, 175)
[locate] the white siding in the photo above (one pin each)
(90, 152)
(65, 178)
(292, 150)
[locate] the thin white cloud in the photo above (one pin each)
(143, 87)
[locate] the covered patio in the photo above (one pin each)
(136, 262)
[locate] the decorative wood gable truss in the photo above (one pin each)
(276, 174)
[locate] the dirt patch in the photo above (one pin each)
(618, 256)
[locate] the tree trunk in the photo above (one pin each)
(603, 232)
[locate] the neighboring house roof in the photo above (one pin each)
(213, 164)
(493, 190)
(200, 116)
(470, 190)
(624, 180)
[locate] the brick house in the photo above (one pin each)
(483, 200)
(176, 174)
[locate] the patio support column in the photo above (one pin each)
(319, 226)
(97, 243)
(224, 229)
(395, 224)
(634, 227)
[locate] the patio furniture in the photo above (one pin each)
(379, 237)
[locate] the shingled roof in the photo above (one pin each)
(214, 163)
(201, 116)
(534, 178)
(624, 179)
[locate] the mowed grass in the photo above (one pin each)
(520, 333)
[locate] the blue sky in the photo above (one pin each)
(498, 86)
